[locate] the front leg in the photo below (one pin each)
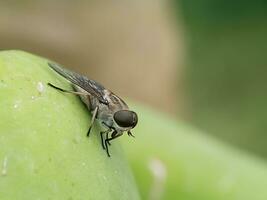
(114, 135)
(108, 138)
(102, 137)
(110, 128)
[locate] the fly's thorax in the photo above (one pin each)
(105, 115)
(115, 102)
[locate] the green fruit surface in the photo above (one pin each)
(44, 151)
(172, 160)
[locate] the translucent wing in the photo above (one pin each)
(91, 86)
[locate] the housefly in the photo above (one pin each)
(106, 107)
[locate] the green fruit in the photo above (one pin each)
(44, 151)
(171, 160)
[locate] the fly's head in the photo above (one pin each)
(126, 120)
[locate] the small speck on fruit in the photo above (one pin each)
(40, 87)
(4, 167)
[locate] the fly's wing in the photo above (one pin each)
(91, 86)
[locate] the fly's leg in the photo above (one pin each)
(110, 129)
(113, 136)
(77, 93)
(130, 134)
(102, 140)
(102, 137)
(92, 121)
(106, 145)
(107, 140)
(67, 91)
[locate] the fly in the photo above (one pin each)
(106, 107)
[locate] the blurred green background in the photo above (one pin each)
(226, 69)
(200, 61)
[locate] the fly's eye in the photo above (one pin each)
(126, 118)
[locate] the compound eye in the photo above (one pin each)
(126, 118)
